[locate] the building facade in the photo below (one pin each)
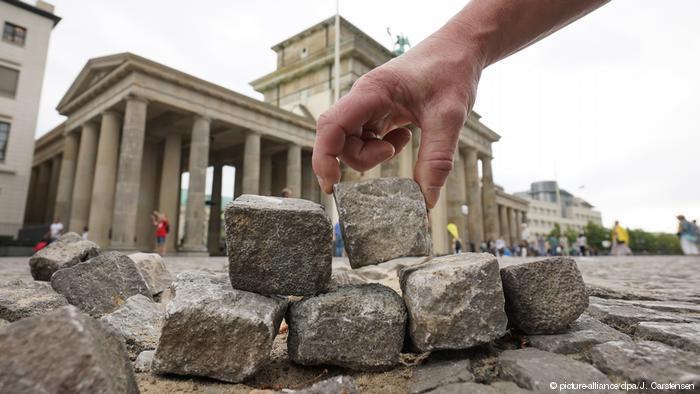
(549, 205)
(23, 48)
(135, 126)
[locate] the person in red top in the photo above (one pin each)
(162, 230)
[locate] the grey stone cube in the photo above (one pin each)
(360, 327)
(545, 296)
(67, 251)
(102, 284)
(454, 302)
(278, 245)
(216, 331)
(139, 322)
(382, 219)
(154, 272)
(63, 351)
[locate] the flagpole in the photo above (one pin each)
(336, 65)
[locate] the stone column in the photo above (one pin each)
(102, 202)
(475, 218)
(266, 175)
(309, 184)
(251, 164)
(40, 199)
(455, 194)
(199, 159)
(489, 199)
(169, 195)
(438, 225)
(31, 192)
(214, 234)
(518, 225)
(294, 170)
(238, 180)
(512, 226)
(82, 187)
(505, 224)
(66, 177)
(126, 195)
(406, 162)
(53, 188)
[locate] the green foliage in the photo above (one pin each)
(642, 242)
(571, 235)
(556, 231)
(595, 235)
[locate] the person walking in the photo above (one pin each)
(55, 230)
(582, 244)
(524, 237)
(688, 234)
(338, 244)
(620, 240)
(160, 221)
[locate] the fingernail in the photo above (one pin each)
(325, 186)
(431, 197)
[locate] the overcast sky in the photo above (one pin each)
(608, 105)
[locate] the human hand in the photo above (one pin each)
(432, 86)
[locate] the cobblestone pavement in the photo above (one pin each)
(642, 325)
(662, 278)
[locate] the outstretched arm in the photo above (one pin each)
(432, 86)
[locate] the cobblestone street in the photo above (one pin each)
(640, 306)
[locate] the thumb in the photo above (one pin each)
(439, 138)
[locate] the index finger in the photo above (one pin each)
(345, 118)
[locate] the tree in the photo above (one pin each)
(595, 235)
(642, 242)
(571, 235)
(556, 231)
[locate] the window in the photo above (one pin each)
(8, 81)
(4, 135)
(14, 34)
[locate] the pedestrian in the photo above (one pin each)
(524, 237)
(620, 240)
(160, 221)
(500, 246)
(432, 86)
(564, 244)
(541, 247)
(85, 233)
(582, 244)
(457, 244)
(554, 248)
(286, 192)
(55, 230)
(688, 234)
(338, 240)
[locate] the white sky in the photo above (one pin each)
(608, 103)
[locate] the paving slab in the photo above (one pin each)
(538, 370)
(625, 316)
(580, 336)
(645, 362)
(681, 335)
